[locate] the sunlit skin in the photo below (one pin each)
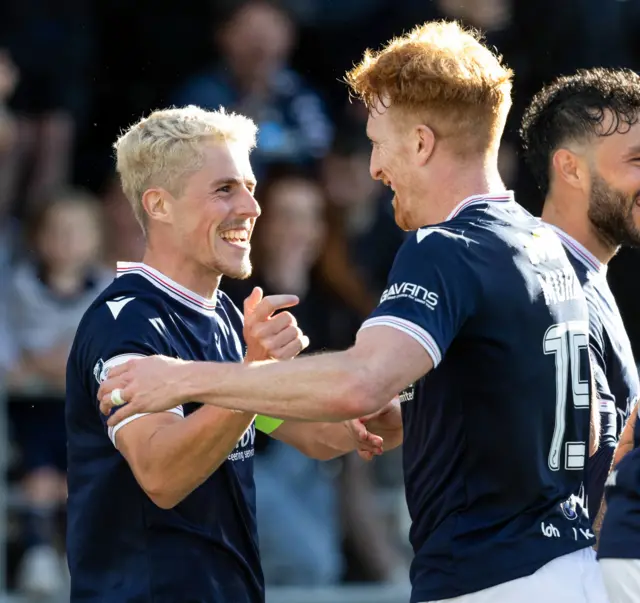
(426, 173)
(595, 191)
(188, 233)
(188, 240)
(400, 146)
(614, 205)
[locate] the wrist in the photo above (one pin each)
(189, 383)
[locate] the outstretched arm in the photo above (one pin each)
(326, 441)
(328, 387)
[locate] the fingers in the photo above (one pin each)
(106, 387)
(271, 304)
(365, 455)
(292, 349)
(265, 329)
(252, 301)
(106, 403)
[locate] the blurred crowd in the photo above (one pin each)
(73, 72)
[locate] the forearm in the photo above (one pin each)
(179, 457)
(597, 522)
(322, 441)
(625, 445)
(329, 387)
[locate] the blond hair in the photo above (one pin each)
(442, 70)
(165, 147)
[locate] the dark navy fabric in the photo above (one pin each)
(495, 436)
(614, 368)
(121, 546)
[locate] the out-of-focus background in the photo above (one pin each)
(74, 72)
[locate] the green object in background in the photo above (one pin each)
(267, 424)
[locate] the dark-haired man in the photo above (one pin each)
(581, 136)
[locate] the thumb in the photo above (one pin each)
(252, 301)
(359, 428)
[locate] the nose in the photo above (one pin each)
(374, 167)
(248, 206)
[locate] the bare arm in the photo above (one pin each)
(171, 456)
(594, 423)
(625, 444)
(328, 387)
(326, 441)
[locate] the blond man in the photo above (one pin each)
(482, 328)
(161, 506)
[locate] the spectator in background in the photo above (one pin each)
(255, 39)
(50, 44)
(360, 207)
(299, 499)
(8, 81)
(48, 294)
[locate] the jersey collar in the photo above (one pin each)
(170, 287)
(478, 199)
(580, 252)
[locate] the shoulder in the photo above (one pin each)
(119, 317)
(442, 244)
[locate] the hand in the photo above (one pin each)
(367, 444)
(271, 337)
(386, 423)
(149, 384)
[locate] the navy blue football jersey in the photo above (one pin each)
(121, 546)
(495, 436)
(612, 362)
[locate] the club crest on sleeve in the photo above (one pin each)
(568, 508)
(100, 371)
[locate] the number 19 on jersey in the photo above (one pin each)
(568, 342)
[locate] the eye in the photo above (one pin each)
(224, 189)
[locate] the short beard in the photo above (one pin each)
(611, 214)
(242, 273)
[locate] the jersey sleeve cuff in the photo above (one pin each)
(178, 410)
(415, 331)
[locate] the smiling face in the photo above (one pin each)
(211, 221)
(393, 163)
(614, 200)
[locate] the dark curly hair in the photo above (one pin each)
(573, 108)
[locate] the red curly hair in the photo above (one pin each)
(441, 71)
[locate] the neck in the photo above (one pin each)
(571, 218)
(194, 277)
(458, 180)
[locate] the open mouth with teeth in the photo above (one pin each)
(238, 237)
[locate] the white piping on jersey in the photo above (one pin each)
(486, 198)
(424, 338)
(170, 287)
(579, 251)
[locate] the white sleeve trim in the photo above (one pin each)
(607, 406)
(415, 331)
(178, 410)
(115, 361)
